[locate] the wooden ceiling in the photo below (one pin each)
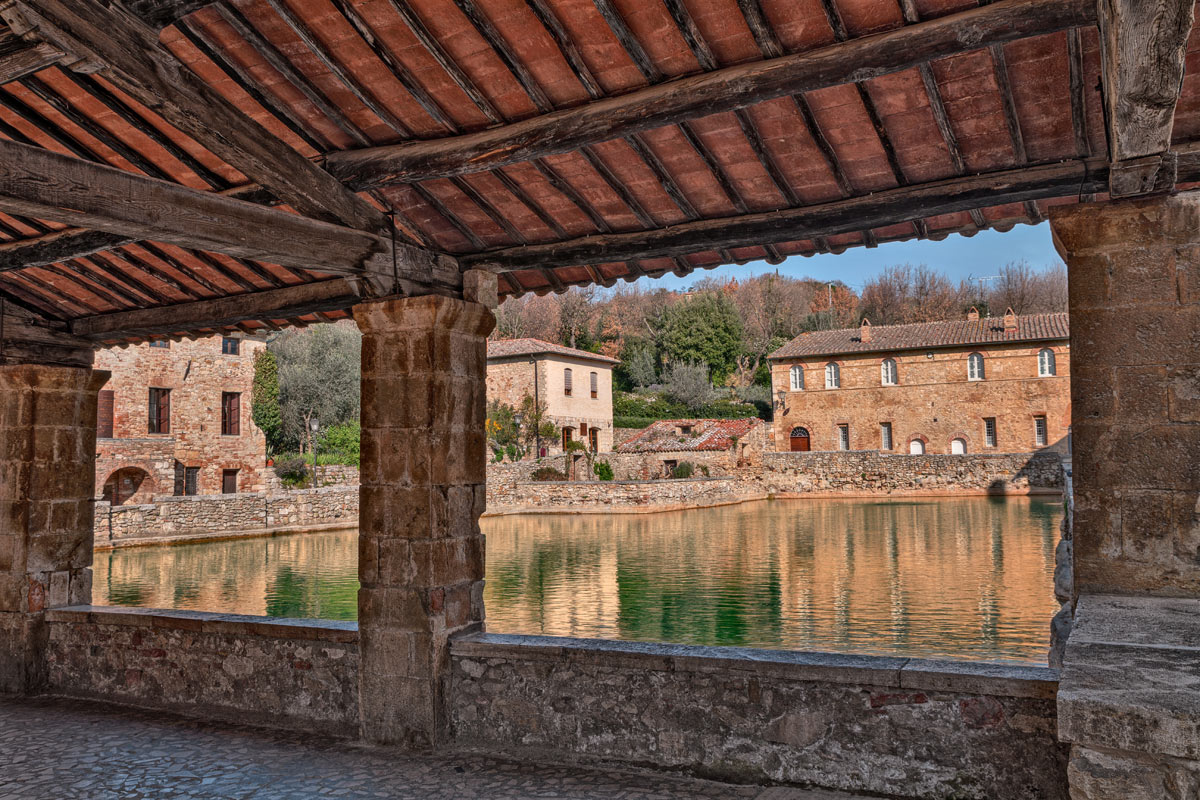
(555, 142)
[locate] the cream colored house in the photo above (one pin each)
(575, 385)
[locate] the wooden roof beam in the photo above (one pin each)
(721, 90)
(47, 185)
(27, 338)
(1143, 46)
(18, 59)
(125, 50)
(852, 215)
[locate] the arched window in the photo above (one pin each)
(833, 376)
(958, 447)
(887, 372)
(1046, 368)
(916, 447)
(796, 375)
(975, 367)
(567, 382)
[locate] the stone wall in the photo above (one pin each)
(659, 495)
(871, 473)
(174, 518)
(286, 673)
(893, 726)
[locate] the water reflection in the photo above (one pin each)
(965, 578)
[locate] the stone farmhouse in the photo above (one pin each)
(174, 419)
(976, 385)
(575, 385)
(721, 445)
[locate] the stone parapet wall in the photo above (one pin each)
(212, 515)
(871, 473)
(299, 674)
(894, 726)
(651, 495)
(647, 466)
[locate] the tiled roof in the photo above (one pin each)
(511, 348)
(951, 333)
(707, 434)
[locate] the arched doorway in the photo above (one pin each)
(916, 447)
(800, 441)
(958, 447)
(127, 484)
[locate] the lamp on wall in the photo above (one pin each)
(782, 395)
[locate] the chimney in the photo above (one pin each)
(864, 331)
(973, 314)
(1010, 321)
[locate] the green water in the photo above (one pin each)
(960, 578)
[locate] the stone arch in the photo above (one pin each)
(128, 484)
(918, 445)
(959, 436)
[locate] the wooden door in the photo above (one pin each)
(800, 440)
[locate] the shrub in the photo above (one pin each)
(603, 470)
(292, 471)
(683, 469)
(547, 474)
(343, 440)
(704, 470)
(687, 383)
(633, 422)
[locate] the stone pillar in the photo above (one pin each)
(421, 556)
(47, 484)
(1129, 697)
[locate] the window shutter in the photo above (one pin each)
(567, 381)
(165, 411)
(104, 416)
(235, 414)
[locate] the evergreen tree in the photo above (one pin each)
(264, 400)
(706, 329)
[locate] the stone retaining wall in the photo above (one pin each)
(893, 726)
(173, 518)
(286, 673)
(611, 495)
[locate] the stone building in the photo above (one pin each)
(718, 445)
(575, 385)
(995, 385)
(174, 419)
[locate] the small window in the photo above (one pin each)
(231, 414)
(885, 436)
(230, 346)
(1039, 431)
(843, 432)
(989, 431)
(833, 376)
(887, 372)
(229, 481)
(975, 367)
(104, 414)
(669, 468)
(958, 447)
(567, 382)
(187, 480)
(1046, 367)
(595, 379)
(159, 411)
(796, 374)
(567, 434)
(916, 447)
(594, 439)
(163, 343)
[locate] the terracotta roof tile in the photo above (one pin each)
(705, 435)
(511, 348)
(951, 333)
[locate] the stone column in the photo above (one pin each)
(47, 485)
(1129, 698)
(421, 556)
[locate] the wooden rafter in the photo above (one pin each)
(725, 89)
(19, 59)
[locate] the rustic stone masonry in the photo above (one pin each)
(421, 557)
(47, 438)
(285, 673)
(1130, 702)
(899, 727)
(616, 495)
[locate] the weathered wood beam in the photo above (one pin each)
(1143, 44)
(722, 90)
(128, 55)
(19, 59)
(55, 187)
(158, 14)
(880, 209)
(26, 338)
(283, 303)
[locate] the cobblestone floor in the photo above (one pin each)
(60, 750)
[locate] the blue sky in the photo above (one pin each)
(957, 256)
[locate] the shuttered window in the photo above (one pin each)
(159, 411)
(229, 481)
(595, 385)
(104, 414)
(231, 414)
(567, 382)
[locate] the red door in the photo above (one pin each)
(800, 443)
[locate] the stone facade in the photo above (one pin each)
(286, 673)
(511, 377)
(933, 401)
(138, 465)
(894, 726)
